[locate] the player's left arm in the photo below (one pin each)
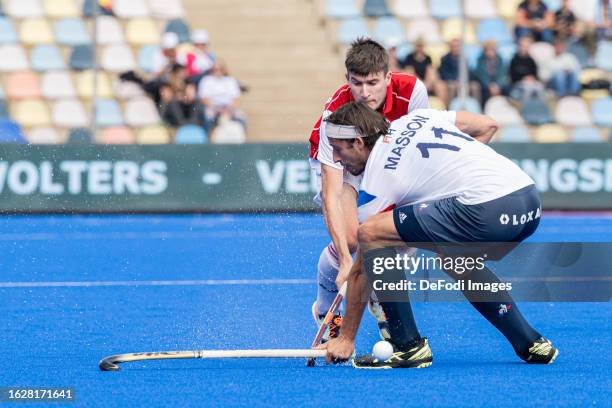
(419, 98)
(480, 127)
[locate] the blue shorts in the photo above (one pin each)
(511, 218)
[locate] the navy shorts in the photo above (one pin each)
(511, 218)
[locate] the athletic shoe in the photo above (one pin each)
(540, 352)
(417, 356)
(333, 328)
(378, 313)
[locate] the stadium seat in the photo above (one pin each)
(436, 52)
(507, 8)
(10, 132)
(536, 112)
(351, 29)
(410, 9)
(506, 52)
(603, 57)
(46, 58)
(443, 9)
(131, 8)
(84, 84)
(153, 135)
(585, 10)
(403, 50)
(117, 58)
(341, 9)
(376, 8)
(191, 134)
(586, 134)
(146, 57)
(108, 113)
(228, 131)
(23, 85)
(4, 113)
(553, 5)
(109, 31)
(23, 8)
(389, 28)
(79, 135)
(427, 28)
(141, 31)
(502, 111)
(117, 136)
(61, 8)
(43, 135)
(57, 85)
(541, 51)
(472, 53)
(469, 105)
(453, 28)
(479, 9)
(551, 133)
(7, 31)
(13, 58)
(180, 28)
(81, 58)
(166, 9)
(513, 134)
(494, 29)
(127, 90)
(602, 112)
(35, 31)
(71, 32)
(88, 8)
(141, 112)
(31, 112)
(69, 113)
(572, 111)
(580, 52)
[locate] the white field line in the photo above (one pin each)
(207, 282)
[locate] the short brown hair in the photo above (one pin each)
(366, 57)
(368, 122)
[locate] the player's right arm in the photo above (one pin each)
(480, 127)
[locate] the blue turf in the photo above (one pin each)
(55, 336)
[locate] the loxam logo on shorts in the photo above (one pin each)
(520, 219)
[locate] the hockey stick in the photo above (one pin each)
(328, 317)
(110, 363)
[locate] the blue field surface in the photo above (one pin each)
(74, 289)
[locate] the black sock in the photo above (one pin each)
(501, 311)
(396, 305)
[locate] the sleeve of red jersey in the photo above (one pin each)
(419, 98)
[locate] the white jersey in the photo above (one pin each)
(425, 157)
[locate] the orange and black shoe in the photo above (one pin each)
(333, 328)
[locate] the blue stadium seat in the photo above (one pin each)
(536, 112)
(71, 32)
(7, 31)
(46, 58)
(579, 52)
(602, 112)
(603, 58)
(341, 9)
(81, 58)
(469, 105)
(352, 28)
(553, 5)
(586, 134)
(387, 28)
(180, 28)
(514, 134)
(443, 9)
(79, 136)
(376, 8)
(146, 57)
(3, 110)
(108, 113)
(472, 52)
(506, 52)
(191, 134)
(403, 50)
(10, 132)
(494, 29)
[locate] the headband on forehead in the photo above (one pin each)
(341, 131)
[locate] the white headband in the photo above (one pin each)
(341, 131)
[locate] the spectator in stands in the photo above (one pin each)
(565, 21)
(419, 63)
(167, 56)
(490, 72)
(220, 94)
(524, 73)
(449, 72)
(561, 72)
(178, 103)
(603, 20)
(535, 20)
(201, 60)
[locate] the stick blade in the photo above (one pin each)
(107, 364)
